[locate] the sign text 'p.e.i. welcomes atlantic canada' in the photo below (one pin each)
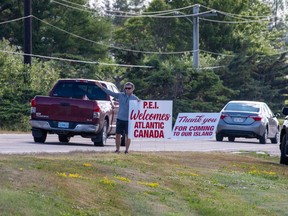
(150, 119)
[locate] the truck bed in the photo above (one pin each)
(64, 109)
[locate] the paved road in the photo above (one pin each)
(23, 143)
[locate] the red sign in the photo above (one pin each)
(150, 119)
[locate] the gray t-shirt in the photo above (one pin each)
(123, 113)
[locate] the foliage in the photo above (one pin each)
(174, 79)
(223, 35)
(10, 10)
(19, 84)
(123, 6)
(57, 30)
(245, 76)
(15, 109)
(256, 77)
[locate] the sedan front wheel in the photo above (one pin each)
(275, 139)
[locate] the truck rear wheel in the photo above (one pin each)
(39, 135)
(101, 138)
(63, 138)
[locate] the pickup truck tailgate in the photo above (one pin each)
(64, 109)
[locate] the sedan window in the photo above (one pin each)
(242, 107)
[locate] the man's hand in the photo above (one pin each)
(99, 84)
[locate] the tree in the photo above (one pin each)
(174, 79)
(15, 92)
(64, 32)
(261, 78)
(55, 27)
(85, 24)
(243, 38)
(122, 6)
(10, 10)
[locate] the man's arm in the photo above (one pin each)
(116, 95)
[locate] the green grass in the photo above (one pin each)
(167, 184)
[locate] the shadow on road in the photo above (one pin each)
(70, 144)
(245, 142)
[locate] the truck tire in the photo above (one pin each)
(39, 135)
(101, 138)
(284, 151)
(63, 138)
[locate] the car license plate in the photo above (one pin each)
(238, 120)
(63, 124)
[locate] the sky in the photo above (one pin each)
(100, 3)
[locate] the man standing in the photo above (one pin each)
(123, 113)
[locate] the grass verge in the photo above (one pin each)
(161, 183)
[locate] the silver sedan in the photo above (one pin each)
(248, 119)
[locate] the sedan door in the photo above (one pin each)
(272, 121)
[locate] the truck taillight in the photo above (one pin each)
(96, 112)
(33, 105)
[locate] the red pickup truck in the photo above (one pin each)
(75, 107)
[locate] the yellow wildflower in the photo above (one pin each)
(62, 174)
(121, 178)
(188, 174)
(75, 175)
(107, 181)
(149, 184)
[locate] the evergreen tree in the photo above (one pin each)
(260, 78)
(19, 84)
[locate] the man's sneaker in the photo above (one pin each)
(117, 151)
(126, 152)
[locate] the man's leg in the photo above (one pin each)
(119, 131)
(127, 143)
(118, 142)
(127, 140)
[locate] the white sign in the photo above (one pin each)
(189, 126)
(150, 119)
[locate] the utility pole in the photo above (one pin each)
(27, 31)
(196, 36)
(196, 16)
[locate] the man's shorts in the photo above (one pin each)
(121, 127)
